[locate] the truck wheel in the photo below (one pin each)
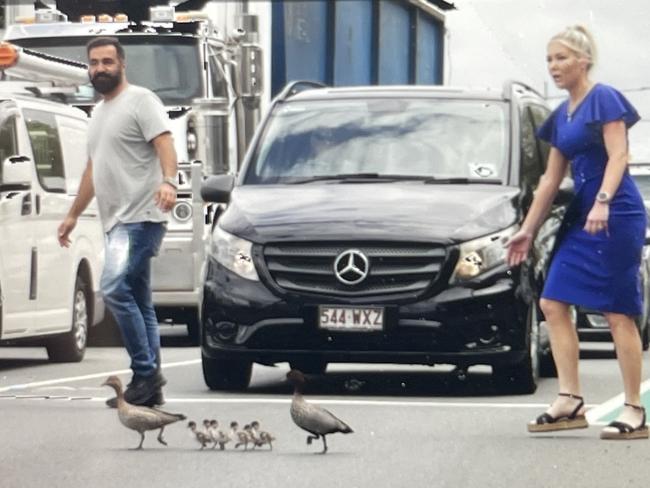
(315, 366)
(226, 374)
(106, 333)
(71, 346)
(522, 377)
(193, 327)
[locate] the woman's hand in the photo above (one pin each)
(518, 247)
(597, 218)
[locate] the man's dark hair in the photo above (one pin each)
(106, 41)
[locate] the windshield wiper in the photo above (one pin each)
(344, 177)
(463, 181)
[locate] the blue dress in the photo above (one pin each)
(601, 271)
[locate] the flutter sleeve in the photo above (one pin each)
(548, 130)
(608, 105)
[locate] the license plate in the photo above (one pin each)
(351, 318)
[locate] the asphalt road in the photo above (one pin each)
(414, 426)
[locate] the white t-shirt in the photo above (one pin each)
(126, 168)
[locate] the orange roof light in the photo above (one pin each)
(87, 19)
(25, 20)
(104, 18)
(121, 18)
(8, 55)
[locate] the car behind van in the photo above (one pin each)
(50, 295)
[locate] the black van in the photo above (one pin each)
(367, 225)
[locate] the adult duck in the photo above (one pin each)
(311, 417)
(141, 419)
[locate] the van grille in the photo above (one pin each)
(393, 268)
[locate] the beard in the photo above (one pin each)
(106, 82)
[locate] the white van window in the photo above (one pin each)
(73, 136)
(44, 137)
(8, 141)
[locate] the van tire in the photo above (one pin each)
(313, 366)
(226, 374)
(522, 377)
(71, 346)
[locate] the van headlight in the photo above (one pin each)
(233, 253)
(481, 255)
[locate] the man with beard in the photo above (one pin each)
(132, 171)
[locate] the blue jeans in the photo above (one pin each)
(126, 285)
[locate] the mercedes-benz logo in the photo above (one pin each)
(351, 267)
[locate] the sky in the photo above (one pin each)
(489, 41)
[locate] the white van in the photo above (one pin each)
(50, 295)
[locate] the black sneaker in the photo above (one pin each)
(143, 388)
(155, 401)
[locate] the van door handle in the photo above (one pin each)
(37, 199)
(26, 207)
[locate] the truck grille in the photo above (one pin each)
(392, 268)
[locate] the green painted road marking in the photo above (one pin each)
(609, 410)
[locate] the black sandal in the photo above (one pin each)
(625, 430)
(547, 423)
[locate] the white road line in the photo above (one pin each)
(89, 376)
(329, 401)
(611, 404)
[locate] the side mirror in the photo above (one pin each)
(217, 188)
(566, 192)
(16, 172)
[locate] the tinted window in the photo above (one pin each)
(44, 137)
(540, 114)
(170, 67)
(405, 137)
(8, 141)
(531, 166)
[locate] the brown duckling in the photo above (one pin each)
(217, 436)
(206, 427)
(141, 419)
(201, 437)
(261, 437)
(241, 436)
(311, 417)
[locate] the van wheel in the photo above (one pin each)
(226, 374)
(522, 377)
(315, 366)
(71, 346)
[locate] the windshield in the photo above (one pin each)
(427, 138)
(639, 136)
(169, 66)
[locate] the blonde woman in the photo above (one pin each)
(598, 254)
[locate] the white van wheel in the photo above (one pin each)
(71, 346)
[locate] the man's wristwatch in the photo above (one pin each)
(171, 182)
(603, 197)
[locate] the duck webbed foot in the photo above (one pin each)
(160, 437)
(141, 441)
(311, 438)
